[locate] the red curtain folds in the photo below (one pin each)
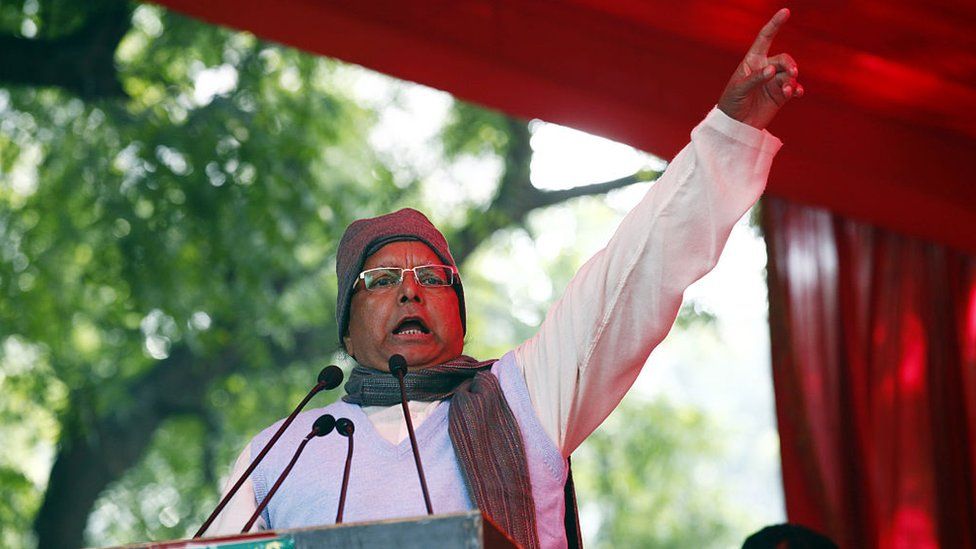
(874, 365)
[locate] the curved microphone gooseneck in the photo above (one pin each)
(329, 378)
(322, 426)
(398, 367)
(346, 428)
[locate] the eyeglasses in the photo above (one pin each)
(433, 276)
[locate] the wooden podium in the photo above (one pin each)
(468, 530)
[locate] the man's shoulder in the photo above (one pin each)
(505, 366)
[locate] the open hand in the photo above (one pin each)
(762, 84)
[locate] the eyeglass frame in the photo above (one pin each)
(455, 277)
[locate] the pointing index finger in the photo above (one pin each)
(768, 32)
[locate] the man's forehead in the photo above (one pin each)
(409, 253)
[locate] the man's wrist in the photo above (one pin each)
(748, 135)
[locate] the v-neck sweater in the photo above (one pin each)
(383, 480)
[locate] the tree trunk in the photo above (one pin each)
(85, 466)
(91, 457)
(82, 62)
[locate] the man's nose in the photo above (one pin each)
(410, 289)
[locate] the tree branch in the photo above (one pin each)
(517, 197)
(548, 198)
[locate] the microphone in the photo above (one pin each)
(346, 428)
(398, 367)
(329, 378)
(322, 426)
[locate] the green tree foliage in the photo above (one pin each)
(171, 195)
(644, 477)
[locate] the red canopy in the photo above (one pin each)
(882, 134)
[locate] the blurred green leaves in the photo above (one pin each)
(644, 477)
(474, 131)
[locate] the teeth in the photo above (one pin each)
(411, 332)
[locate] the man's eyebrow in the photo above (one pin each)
(414, 267)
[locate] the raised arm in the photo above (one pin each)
(623, 301)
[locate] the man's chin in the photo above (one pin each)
(419, 354)
(415, 356)
(418, 360)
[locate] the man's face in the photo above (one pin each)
(419, 322)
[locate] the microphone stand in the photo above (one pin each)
(398, 367)
(329, 378)
(346, 428)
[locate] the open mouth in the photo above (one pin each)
(411, 326)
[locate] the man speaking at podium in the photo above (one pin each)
(496, 435)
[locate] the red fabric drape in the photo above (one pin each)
(874, 365)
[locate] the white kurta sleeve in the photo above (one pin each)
(623, 301)
(240, 507)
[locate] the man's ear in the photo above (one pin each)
(350, 348)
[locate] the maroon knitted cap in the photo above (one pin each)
(364, 237)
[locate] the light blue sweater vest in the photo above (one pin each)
(383, 478)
